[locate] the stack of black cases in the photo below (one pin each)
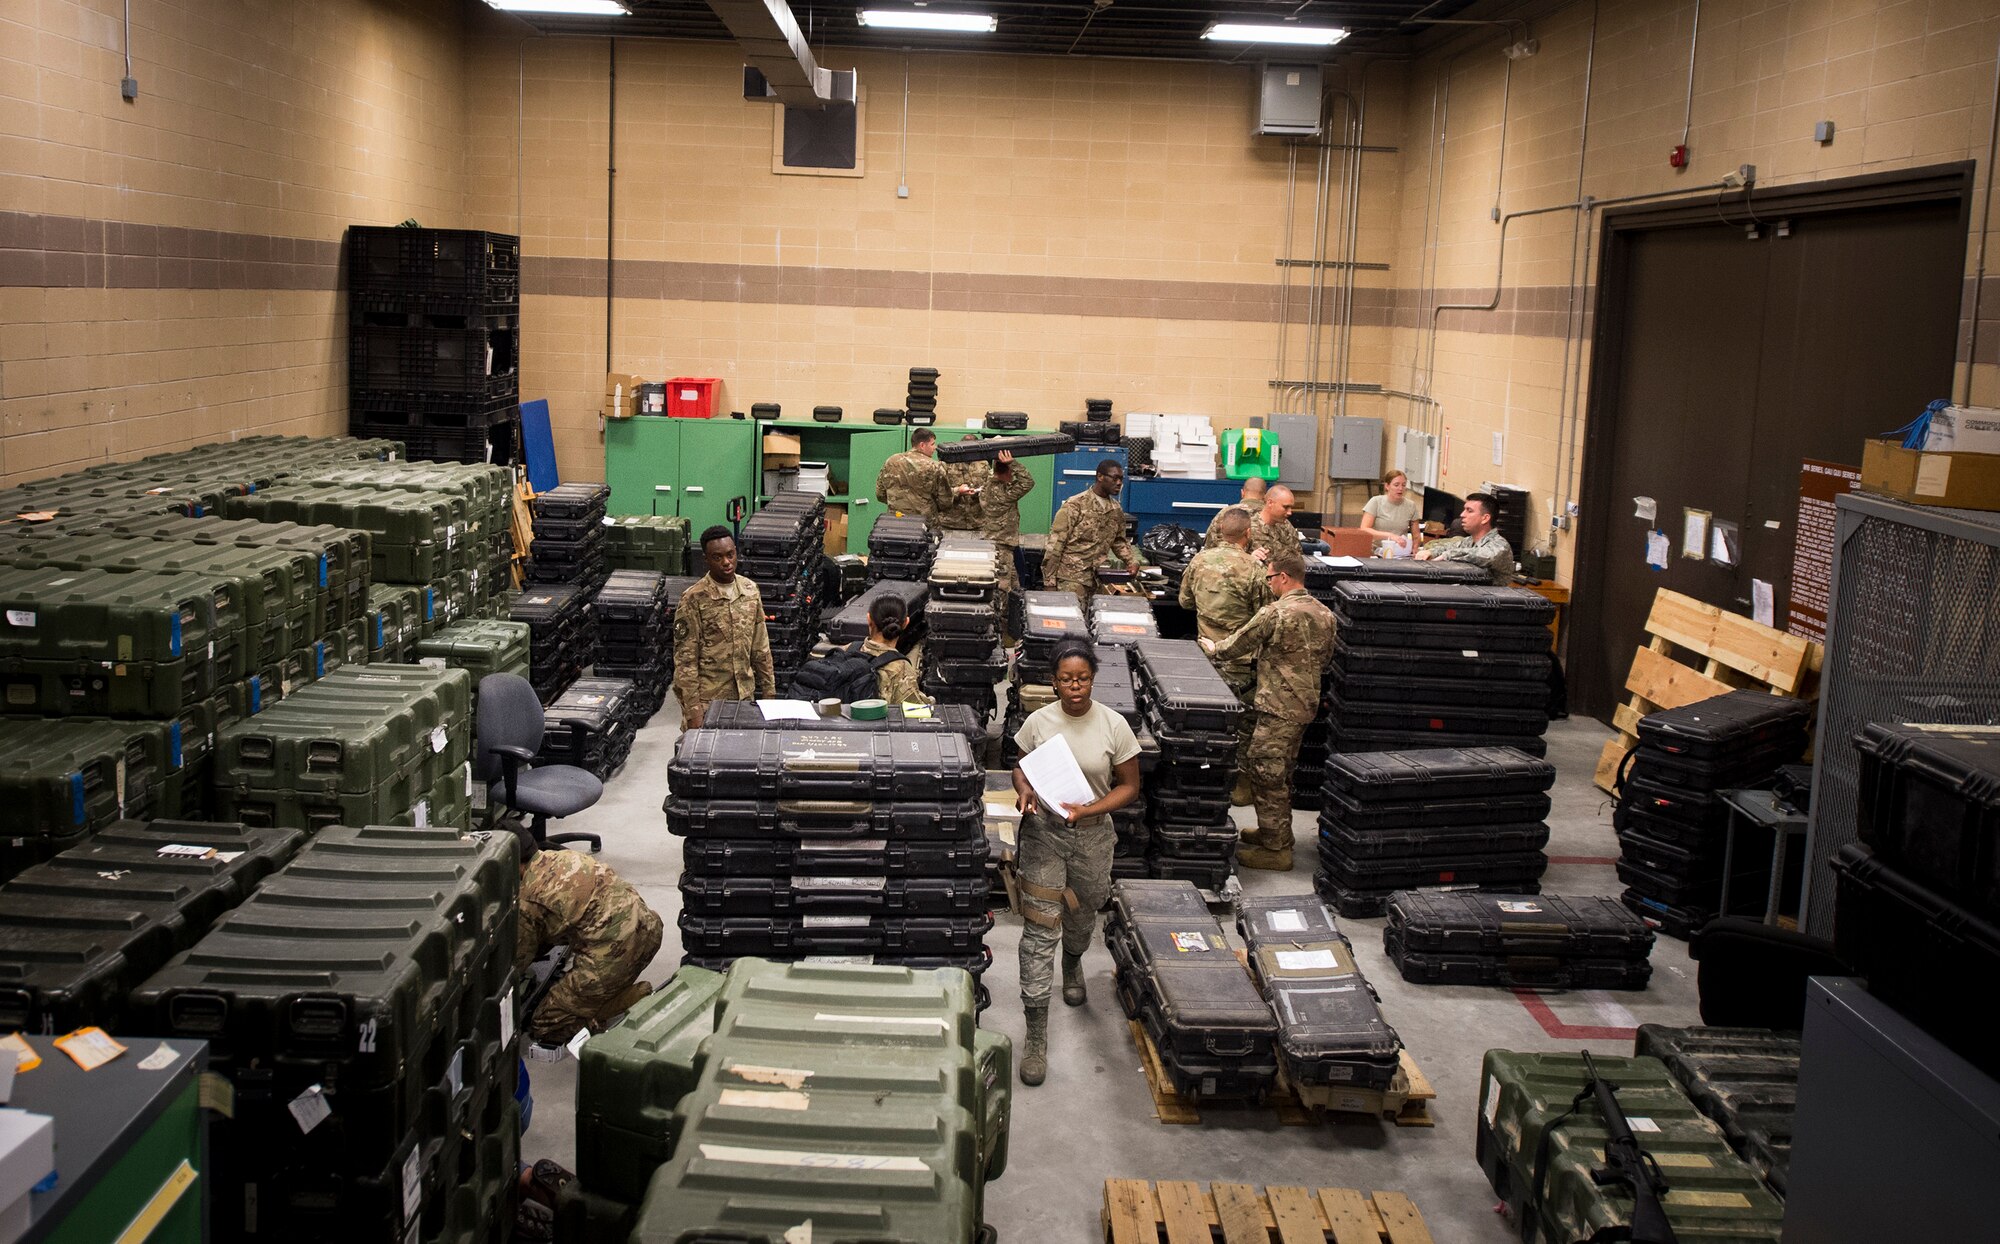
(850, 624)
(900, 547)
(562, 635)
(1438, 665)
(1463, 818)
(635, 638)
(590, 726)
(920, 404)
(1322, 574)
(1917, 903)
(1330, 1027)
(779, 549)
(929, 719)
(1047, 619)
(963, 658)
(1193, 715)
(569, 536)
(812, 844)
(1521, 941)
(1671, 819)
(1745, 1079)
(1122, 620)
(1177, 976)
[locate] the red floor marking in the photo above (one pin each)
(1568, 1032)
(1606, 860)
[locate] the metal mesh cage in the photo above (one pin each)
(1914, 636)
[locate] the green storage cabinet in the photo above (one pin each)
(690, 467)
(631, 1077)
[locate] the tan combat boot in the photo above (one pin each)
(1072, 991)
(1035, 1051)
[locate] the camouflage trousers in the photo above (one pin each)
(601, 984)
(1080, 583)
(1244, 684)
(1064, 874)
(1267, 764)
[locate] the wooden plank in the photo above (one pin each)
(1129, 1216)
(1420, 1086)
(1625, 719)
(1611, 758)
(1348, 1216)
(1296, 1216)
(1668, 683)
(1764, 653)
(1184, 1211)
(1168, 1105)
(1400, 1220)
(1240, 1214)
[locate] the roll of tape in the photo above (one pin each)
(868, 710)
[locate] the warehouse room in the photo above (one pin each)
(694, 620)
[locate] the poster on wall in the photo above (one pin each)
(1812, 544)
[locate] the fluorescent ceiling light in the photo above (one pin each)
(1248, 32)
(925, 19)
(567, 8)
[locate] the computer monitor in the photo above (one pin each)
(1442, 507)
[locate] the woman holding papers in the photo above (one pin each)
(1079, 763)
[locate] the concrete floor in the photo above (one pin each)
(1093, 1119)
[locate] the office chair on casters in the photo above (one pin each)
(510, 733)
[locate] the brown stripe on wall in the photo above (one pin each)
(69, 252)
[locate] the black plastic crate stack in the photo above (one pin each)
(360, 1006)
(900, 547)
(920, 404)
(434, 341)
(1047, 619)
(562, 635)
(569, 536)
(779, 549)
(1331, 1034)
(1122, 621)
(1510, 516)
(635, 635)
(1096, 427)
(590, 726)
(1193, 715)
(1410, 820)
(963, 659)
(1176, 974)
(1917, 903)
(1671, 819)
(1418, 665)
(804, 844)
(79, 932)
(1517, 941)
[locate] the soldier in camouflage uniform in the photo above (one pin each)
(1248, 504)
(1271, 530)
(898, 680)
(965, 480)
(999, 502)
(1292, 639)
(914, 481)
(1088, 526)
(722, 650)
(569, 899)
(1225, 587)
(1480, 545)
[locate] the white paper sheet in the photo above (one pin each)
(1658, 549)
(1694, 536)
(1343, 562)
(1058, 780)
(1761, 610)
(787, 710)
(1644, 507)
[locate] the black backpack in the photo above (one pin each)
(846, 674)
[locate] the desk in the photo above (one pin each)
(1759, 808)
(1558, 595)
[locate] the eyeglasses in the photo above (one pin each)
(1074, 680)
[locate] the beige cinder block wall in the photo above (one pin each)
(1074, 228)
(168, 267)
(1907, 85)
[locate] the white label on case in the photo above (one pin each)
(21, 617)
(437, 739)
(1639, 1124)
(507, 1017)
(1288, 921)
(909, 1021)
(310, 1109)
(413, 1185)
(805, 1158)
(1492, 1099)
(1304, 960)
(757, 1099)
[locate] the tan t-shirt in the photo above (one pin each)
(1100, 740)
(1391, 517)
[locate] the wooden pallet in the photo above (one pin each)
(1695, 651)
(521, 523)
(1405, 1103)
(1179, 1212)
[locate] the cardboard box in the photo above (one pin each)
(1963, 481)
(1349, 541)
(621, 395)
(836, 531)
(1964, 430)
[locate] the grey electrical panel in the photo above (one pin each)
(1356, 449)
(1298, 449)
(1288, 100)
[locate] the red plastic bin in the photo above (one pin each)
(691, 397)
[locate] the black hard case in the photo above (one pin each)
(862, 894)
(813, 764)
(1674, 919)
(1441, 603)
(975, 449)
(1418, 719)
(851, 623)
(1478, 638)
(962, 617)
(1726, 725)
(1423, 967)
(1341, 740)
(1340, 808)
(1366, 689)
(808, 819)
(1330, 1027)
(943, 719)
(1465, 664)
(1214, 1033)
(784, 858)
(792, 935)
(1436, 774)
(1322, 578)
(1930, 806)
(1549, 925)
(1445, 841)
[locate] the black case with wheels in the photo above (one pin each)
(1461, 603)
(808, 764)
(1517, 940)
(1463, 664)
(1725, 726)
(1214, 1033)
(1449, 841)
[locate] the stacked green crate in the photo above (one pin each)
(656, 542)
(399, 614)
(365, 745)
(61, 781)
(1529, 1100)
